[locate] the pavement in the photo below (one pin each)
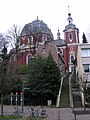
(60, 114)
(53, 113)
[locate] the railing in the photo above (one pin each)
(70, 90)
(59, 95)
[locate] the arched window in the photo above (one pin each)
(29, 59)
(70, 37)
(72, 58)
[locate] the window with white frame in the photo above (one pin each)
(70, 35)
(85, 52)
(86, 67)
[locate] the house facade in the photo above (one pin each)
(84, 61)
(83, 71)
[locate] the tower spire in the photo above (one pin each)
(37, 17)
(69, 16)
(58, 34)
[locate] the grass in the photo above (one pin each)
(8, 117)
(51, 106)
(20, 118)
(34, 118)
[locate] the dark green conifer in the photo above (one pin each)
(84, 38)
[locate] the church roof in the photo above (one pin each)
(72, 26)
(36, 26)
(59, 42)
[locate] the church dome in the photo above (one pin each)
(36, 26)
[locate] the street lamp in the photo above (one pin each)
(23, 96)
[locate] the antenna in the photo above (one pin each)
(69, 16)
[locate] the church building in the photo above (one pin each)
(37, 39)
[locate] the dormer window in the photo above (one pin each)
(70, 36)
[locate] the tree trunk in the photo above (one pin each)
(1, 104)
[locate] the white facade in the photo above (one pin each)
(83, 68)
(83, 61)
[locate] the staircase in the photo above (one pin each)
(77, 99)
(76, 93)
(64, 102)
(67, 90)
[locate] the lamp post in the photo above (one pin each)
(23, 96)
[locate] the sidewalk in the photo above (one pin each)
(60, 114)
(65, 114)
(53, 113)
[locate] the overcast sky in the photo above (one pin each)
(53, 12)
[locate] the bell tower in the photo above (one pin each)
(71, 36)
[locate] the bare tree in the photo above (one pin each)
(4, 40)
(8, 77)
(14, 33)
(7, 71)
